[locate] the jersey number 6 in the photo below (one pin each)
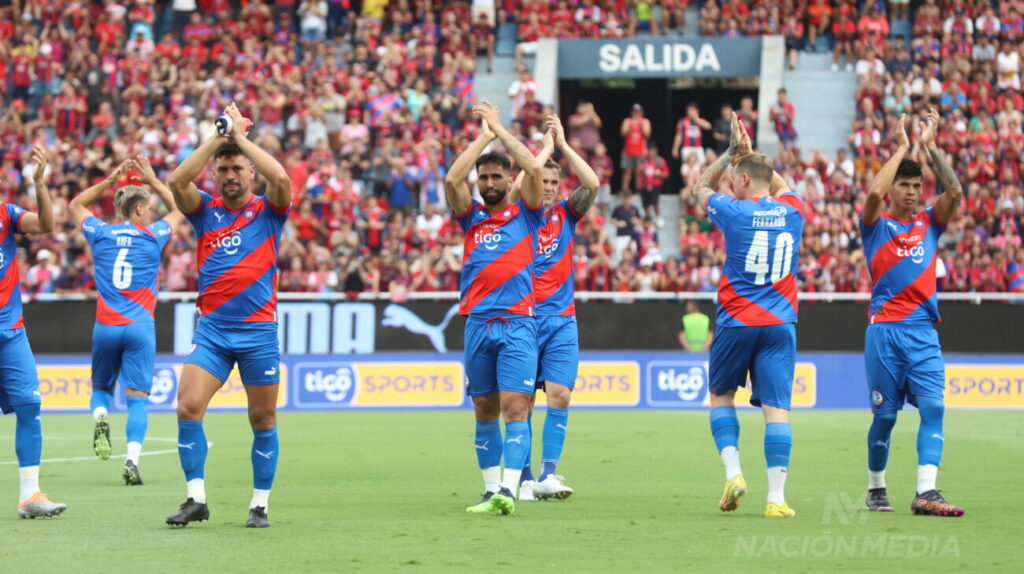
(122, 270)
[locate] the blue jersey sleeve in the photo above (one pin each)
(162, 231)
(466, 219)
(867, 231)
(574, 217)
(197, 217)
(92, 228)
(279, 214)
(15, 213)
(534, 216)
(939, 228)
(720, 206)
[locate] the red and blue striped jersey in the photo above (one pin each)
(901, 258)
(691, 133)
(762, 244)
(552, 264)
(497, 260)
(1015, 277)
(237, 257)
(126, 262)
(10, 277)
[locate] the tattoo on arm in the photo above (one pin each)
(515, 147)
(708, 181)
(943, 171)
(581, 200)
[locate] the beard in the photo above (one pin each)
(493, 196)
(232, 190)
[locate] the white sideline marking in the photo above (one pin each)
(93, 457)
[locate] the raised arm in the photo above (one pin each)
(79, 205)
(148, 177)
(41, 222)
(546, 151)
(459, 197)
(583, 197)
(949, 202)
(883, 179)
(279, 186)
(533, 187)
(707, 183)
(186, 195)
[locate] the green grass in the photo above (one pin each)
(386, 492)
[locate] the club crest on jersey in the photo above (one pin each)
(876, 398)
(248, 214)
(507, 214)
(918, 223)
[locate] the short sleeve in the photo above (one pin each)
(792, 200)
(197, 217)
(534, 217)
(278, 213)
(934, 220)
(91, 229)
(866, 230)
(466, 219)
(162, 231)
(574, 217)
(719, 207)
(15, 214)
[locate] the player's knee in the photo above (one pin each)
(885, 419)
(558, 395)
(135, 393)
(487, 408)
(262, 419)
(190, 411)
(930, 408)
(516, 409)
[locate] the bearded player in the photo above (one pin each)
(237, 240)
(497, 300)
(902, 356)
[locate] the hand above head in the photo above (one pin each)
(486, 131)
(488, 112)
(902, 140)
(146, 173)
(39, 157)
(553, 125)
(929, 127)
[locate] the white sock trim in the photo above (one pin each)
(197, 490)
(134, 452)
(259, 498)
(876, 479)
(99, 412)
(492, 478)
(28, 482)
(926, 476)
(731, 458)
(510, 479)
(777, 485)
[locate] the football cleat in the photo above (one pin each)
(735, 488)
(483, 506)
(101, 438)
(878, 500)
(39, 506)
(504, 502)
(779, 511)
(190, 511)
(131, 474)
(257, 518)
(526, 490)
(933, 504)
(553, 486)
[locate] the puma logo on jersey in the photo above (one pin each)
(219, 216)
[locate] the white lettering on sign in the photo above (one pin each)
(673, 58)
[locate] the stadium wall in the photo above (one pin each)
(615, 380)
(319, 327)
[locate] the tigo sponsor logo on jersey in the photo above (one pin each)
(333, 384)
(489, 236)
(606, 384)
(677, 383)
(985, 386)
(805, 387)
(65, 387)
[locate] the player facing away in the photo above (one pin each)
(902, 356)
(757, 311)
(497, 300)
(126, 260)
(237, 235)
(558, 342)
(19, 380)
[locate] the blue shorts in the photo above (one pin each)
(768, 353)
(216, 347)
(903, 361)
(125, 354)
(501, 354)
(558, 341)
(19, 380)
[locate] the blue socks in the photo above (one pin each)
(28, 435)
(488, 444)
(517, 444)
(264, 457)
(725, 427)
(528, 469)
(192, 448)
(878, 440)
(929, 435)
(778, 441)
(138, 418)
(555, 426)
(101, 398)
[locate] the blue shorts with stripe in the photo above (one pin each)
(558, 341)
(218, 346)
(767, 353)
(19, 380)
(125, 354)
(501, 354)
(903, 361)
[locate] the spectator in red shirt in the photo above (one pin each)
(652, 174)
(529, 33)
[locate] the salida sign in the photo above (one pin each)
(659, 58)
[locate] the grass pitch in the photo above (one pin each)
(386, 492)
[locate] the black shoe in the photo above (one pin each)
(878, 500)
(131, 474)
(257, 518)
(190, 511)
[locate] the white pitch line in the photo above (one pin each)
(83, 458)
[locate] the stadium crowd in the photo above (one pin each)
(365, 104)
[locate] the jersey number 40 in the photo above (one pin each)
(758, 256)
